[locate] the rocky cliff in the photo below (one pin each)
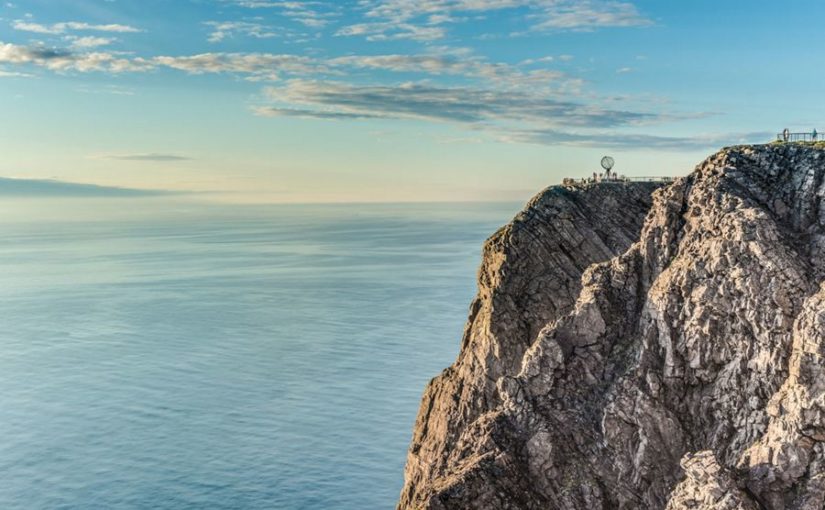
(640, 348)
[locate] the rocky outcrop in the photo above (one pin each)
(707, 486)
(672, 365)
(530, 275)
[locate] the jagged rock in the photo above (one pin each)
(530, 275)
(591, 369)
(707, 486)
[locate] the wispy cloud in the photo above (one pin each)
(223, 29)
(587, 15)
(310, 13)
(424, 20)
(462, 105)
(515, 101)
(53, 188)
(275, 111)
(529, 101)
(387, 31)
(69, 26)
(275, 67)
(87, 42)
(631, 140)
(465, 65)
(259, 65)
(62, 59)
(114, 90)
(13, 74)
(152, 156)
(513, 116)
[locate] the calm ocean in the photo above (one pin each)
(176, 356)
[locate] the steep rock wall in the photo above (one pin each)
(682, 373)
(530, 275)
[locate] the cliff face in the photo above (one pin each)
(530, 276)
(624, 353)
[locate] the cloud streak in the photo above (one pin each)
(309, 13)
(59, 189)
(61, 59)
(71, 26)
(425, 20)
(261, 64)
(88, 42)
(526, 102)
(224, 29)
(82, 56)
(510, 116)
(587, 15)
(521, 105)
(153, 156)
(463, 105)
(631, 140)
(273, 67)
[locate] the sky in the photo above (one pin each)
(390, 100)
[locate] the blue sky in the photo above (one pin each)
(392, 100)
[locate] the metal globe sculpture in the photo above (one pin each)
(607, 163)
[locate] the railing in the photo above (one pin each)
(799, 137)
(621, 179)
(650, 179)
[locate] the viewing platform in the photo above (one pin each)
(613, 179)
(787, 136)
(610, 177)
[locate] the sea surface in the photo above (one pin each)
(165, 355)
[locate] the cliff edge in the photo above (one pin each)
(634, 347)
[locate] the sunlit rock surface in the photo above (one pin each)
(640, 348)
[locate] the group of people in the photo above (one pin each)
(607, 176)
